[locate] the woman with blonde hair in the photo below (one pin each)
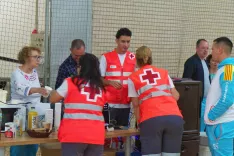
(26, 88)
(154, 97)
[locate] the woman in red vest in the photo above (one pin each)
(154, 97)
(82, 131)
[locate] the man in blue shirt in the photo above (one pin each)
(219, 112)
(70, 65)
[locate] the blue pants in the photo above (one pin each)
(24, 150)
(221, 139)
(202, 122)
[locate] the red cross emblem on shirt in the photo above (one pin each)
(91, 95)
(150, 77)
(131, 56)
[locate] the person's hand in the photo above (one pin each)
(211, 121)
(115, 84)
(42, 91)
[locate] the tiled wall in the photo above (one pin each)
(169, 28)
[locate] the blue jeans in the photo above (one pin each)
(202, 121)
(24, 150)
(221, 139)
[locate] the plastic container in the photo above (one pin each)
(32, 118)
(48, 89)
(3, 96)
(18, 121)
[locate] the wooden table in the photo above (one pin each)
(26, 140)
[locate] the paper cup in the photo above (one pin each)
(48, 89)
(46, 125)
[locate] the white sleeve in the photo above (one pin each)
(171, 82)
(102, 65)
(131, 89)
(20, 86)
(63, 89)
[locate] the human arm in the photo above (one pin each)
(135, 103)
(23, 88)
(188, 69)
(60, 93)
(62, 75)
(226, 100)
(174, 92)
(134, 98)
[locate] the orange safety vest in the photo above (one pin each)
(118, 98)
(83, 121)
(155, 98)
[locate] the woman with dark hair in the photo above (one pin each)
(213, 66)
(82, 131)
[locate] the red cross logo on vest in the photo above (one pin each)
(90, 94)
(131, 56)
(150, 77)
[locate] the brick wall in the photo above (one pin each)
(170, 28)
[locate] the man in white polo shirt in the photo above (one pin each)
(115, 67)
(219, 112)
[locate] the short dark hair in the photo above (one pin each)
(226, 41)
(77, 44)
(208, 59)
(199, 41)
(123, 32)
(89, 72)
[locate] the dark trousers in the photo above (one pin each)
(81, 149)
(161, 135)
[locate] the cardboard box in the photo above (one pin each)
(109, 152)
(51, 149)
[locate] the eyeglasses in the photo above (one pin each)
(38, 58)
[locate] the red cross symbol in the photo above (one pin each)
(91, 95)
(131, 56)
(150, 77)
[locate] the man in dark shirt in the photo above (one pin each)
(69, 66)
(196, 68)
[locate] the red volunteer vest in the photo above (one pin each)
(118, 98)
(83, 121)
(153, 87)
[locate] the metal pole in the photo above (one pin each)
(128, 146)
(36, 16)
(46, 43)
